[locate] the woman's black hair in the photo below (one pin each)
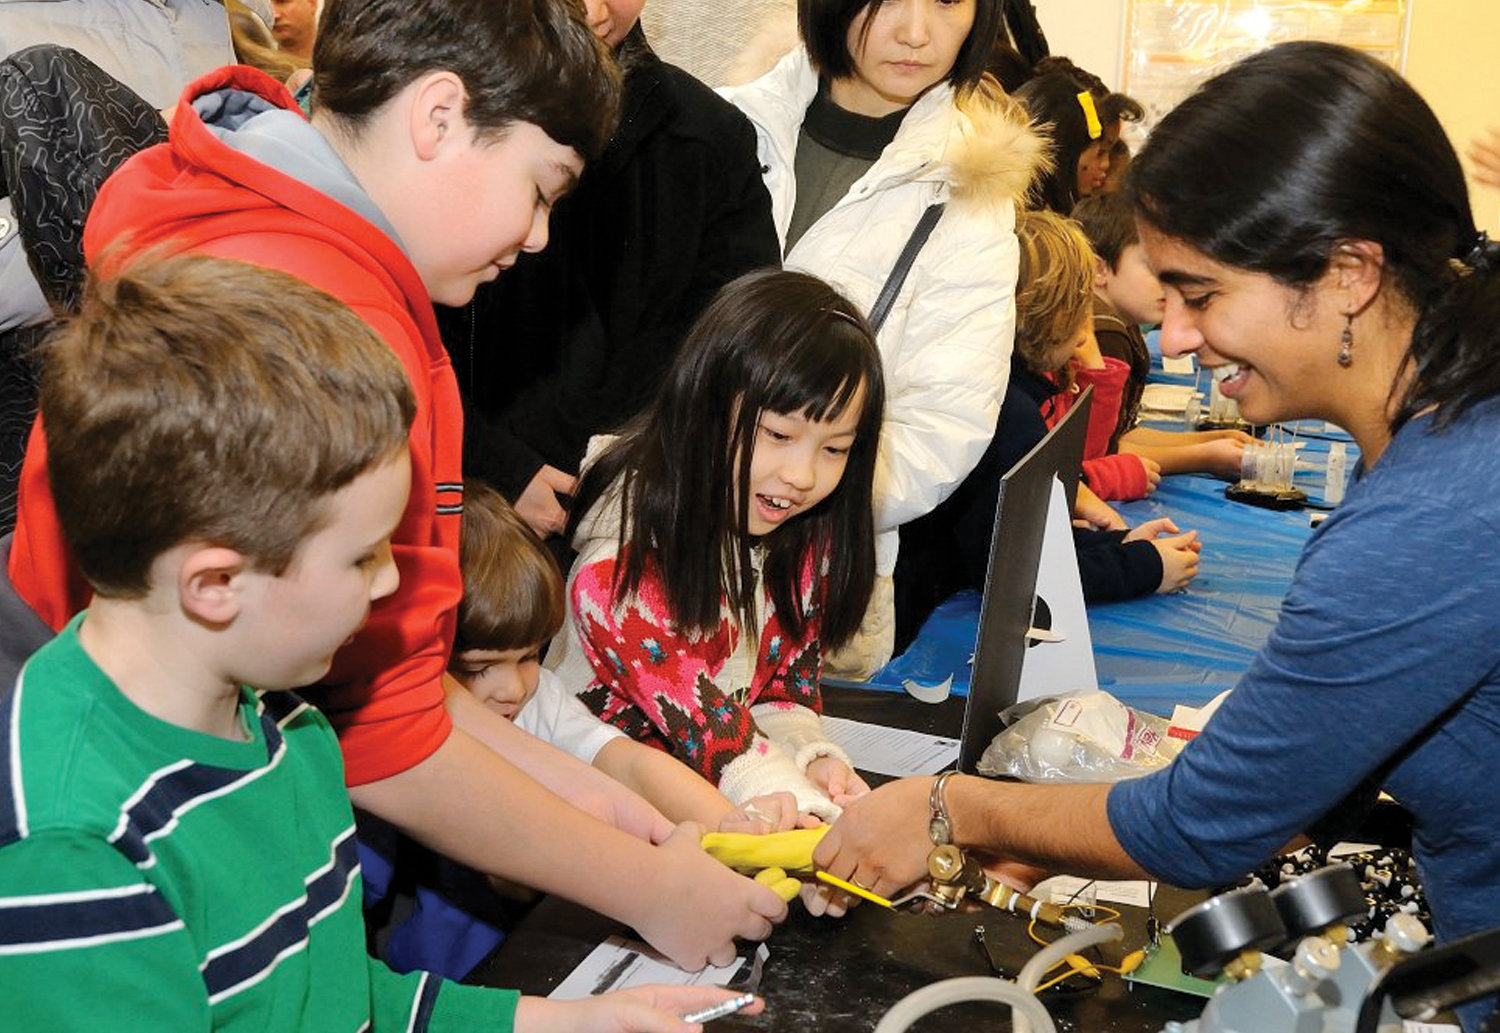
(1052, 100)
(824, 26)
(1272, 164)
(770, 341)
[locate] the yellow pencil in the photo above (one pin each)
(858, 891)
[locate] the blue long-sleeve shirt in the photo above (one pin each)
(1383, 671)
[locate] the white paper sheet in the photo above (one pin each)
(1063, 889)
(1167, 398)
(892, 751)
(618, 964)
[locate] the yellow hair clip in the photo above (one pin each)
(1086, 102)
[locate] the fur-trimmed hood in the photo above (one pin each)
(982, 147)
(999, 152)
(992, 152)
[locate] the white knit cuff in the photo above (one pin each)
(799, 731)
(767, 768)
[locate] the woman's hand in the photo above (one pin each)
(881, 842)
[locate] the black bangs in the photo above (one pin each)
(821, 373)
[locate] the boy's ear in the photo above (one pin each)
(209, 583)
(1101, 273)
(437, 113)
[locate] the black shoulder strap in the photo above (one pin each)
(887, 296)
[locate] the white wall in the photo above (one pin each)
(1450, 60)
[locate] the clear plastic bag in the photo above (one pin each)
(1086, 736)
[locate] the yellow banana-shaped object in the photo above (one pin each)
(790, 851)
(783, 885)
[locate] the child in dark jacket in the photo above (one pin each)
(949, 549)
(1054, 341)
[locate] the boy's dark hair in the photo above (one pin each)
(513, 591)
(1108, 221)
(531, 61)
(824, 26)
(199, 399)
(770, 341)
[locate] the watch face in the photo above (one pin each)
(938, 830)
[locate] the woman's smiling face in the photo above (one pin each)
(1270, 347)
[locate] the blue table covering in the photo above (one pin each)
(1155, 652)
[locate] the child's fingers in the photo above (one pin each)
(1153, 528)
(662, 1007)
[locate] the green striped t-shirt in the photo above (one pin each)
(157, 878)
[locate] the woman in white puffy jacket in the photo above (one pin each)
(883, 111)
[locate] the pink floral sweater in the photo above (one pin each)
(748, 729)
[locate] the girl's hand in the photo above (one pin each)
(642, 1009)
(836, 779)
(1230, 435)
(774, 812)
(1222, 456)
(1086, 349)
(822, 899)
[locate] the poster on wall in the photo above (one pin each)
(1173, 45)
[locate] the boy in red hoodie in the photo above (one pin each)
(442, 133)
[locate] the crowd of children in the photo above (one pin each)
(249, 476)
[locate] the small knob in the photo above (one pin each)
(1316, 960)
(945, 863)
(1404, 934)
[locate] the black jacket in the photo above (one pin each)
(949, 549)
(574, 341)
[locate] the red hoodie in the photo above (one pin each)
(195, 193)
(1111, 475)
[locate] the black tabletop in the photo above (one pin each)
(843, 974)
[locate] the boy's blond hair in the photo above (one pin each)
(513, 590)
(1054, 286)
(200, 399)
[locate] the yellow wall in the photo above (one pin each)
(1450, 60)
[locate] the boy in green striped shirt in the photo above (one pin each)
(228, 452)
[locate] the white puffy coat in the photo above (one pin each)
(946, 343)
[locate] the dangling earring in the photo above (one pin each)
(1346, 341)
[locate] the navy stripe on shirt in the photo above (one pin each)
(64, 921)
(238, 965)
(426, 1002)
(154, 809)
